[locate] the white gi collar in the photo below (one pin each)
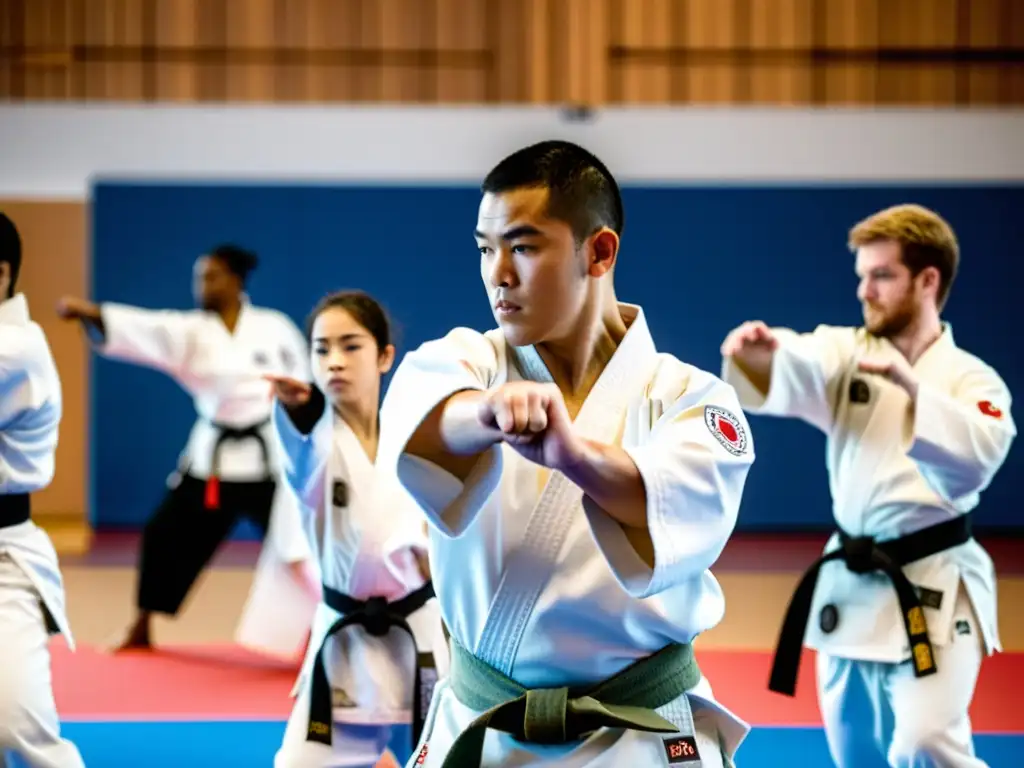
(14, 311)
(939, 347)
(631, 364)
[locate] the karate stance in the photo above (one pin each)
(578, 486)
(903, 604)
(219, 353)
(31, 587)
(371, 543)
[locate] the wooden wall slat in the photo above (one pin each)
(537, 48)
(176, 28)
(291, 81)
(6, 62)
(849, 25)
(918, 24)
(505, 31)
(34, 33)
(1011, 90)
(710, 25)
(775, 26)
(461, 26)
(326, 29)
(984, 29)
(786, 52)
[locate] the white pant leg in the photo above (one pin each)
(932, 725)
(354, 746)
(854, 711)
(29, 725)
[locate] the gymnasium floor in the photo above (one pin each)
(199, 702)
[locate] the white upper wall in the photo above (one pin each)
(53, 151)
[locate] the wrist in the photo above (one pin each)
(462, 430)
(911, 388)
(578, 459)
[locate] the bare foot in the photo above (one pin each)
(137, 639)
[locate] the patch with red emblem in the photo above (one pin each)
(727, 429)
(986, 407)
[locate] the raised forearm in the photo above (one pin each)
(608, 475)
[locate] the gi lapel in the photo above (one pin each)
(530, 567)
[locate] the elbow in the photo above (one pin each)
(954, 485)
(707, 542)
(954, 477)
(688, 546)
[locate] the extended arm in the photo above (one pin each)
(796, 377)
(431, 434)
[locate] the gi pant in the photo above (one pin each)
(355, 746)
(29, 725)
(183, 535)
(878, 714)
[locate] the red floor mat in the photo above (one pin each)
(170, 684)
(216, 683)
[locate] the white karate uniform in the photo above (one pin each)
(366, 548)
(894, 469)
(223, 372)
(540, 583)
(31, 587)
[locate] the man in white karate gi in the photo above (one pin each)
(31, 587)
(219, 353)
(578, 485)
(902, 608)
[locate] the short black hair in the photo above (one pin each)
(238, 260)
(583, 192)
(10, 249)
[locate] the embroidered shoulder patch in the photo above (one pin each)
(727, 429)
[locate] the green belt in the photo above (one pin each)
(563, 715)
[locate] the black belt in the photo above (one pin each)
(862, 554)
(15, 509)
(226, 433)
(377, 616)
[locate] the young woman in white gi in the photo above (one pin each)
(917, 428)
(578, 485)
(31, 587)
(219, 353)
(370, 542)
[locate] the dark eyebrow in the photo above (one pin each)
(346, 337)
(524, 230)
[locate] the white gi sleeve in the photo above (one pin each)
(694, 467)
(298, 348)
(155, 338)
(28, 383)
(959, 442)
(806, 371)
(304, 454)
(462, 360)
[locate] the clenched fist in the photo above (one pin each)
(73, 308)
(533, 420)
(751, 337)
(895, 368)
(291, 392)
